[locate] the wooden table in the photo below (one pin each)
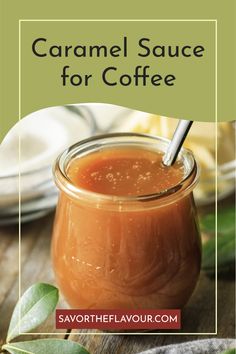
(198, 316)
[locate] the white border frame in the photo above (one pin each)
(216, 158)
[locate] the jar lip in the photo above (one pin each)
(62, 180)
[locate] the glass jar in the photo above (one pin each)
(112, 252)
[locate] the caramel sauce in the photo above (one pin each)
(124, 172)
(112, 258)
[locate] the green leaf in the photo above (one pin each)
(33, 308)
(207, 223)
(225, 221)
(229, 351)
(45, 346)
(225, 241)
(226, 253)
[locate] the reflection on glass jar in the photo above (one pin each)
(125, 249)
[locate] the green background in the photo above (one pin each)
(192, 97)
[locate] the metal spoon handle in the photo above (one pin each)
(176, 142)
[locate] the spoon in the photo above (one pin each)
(176, 142)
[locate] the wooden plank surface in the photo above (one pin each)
(198, 316)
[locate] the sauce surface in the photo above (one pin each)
(124, 172)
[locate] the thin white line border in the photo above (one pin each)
(216, 181)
